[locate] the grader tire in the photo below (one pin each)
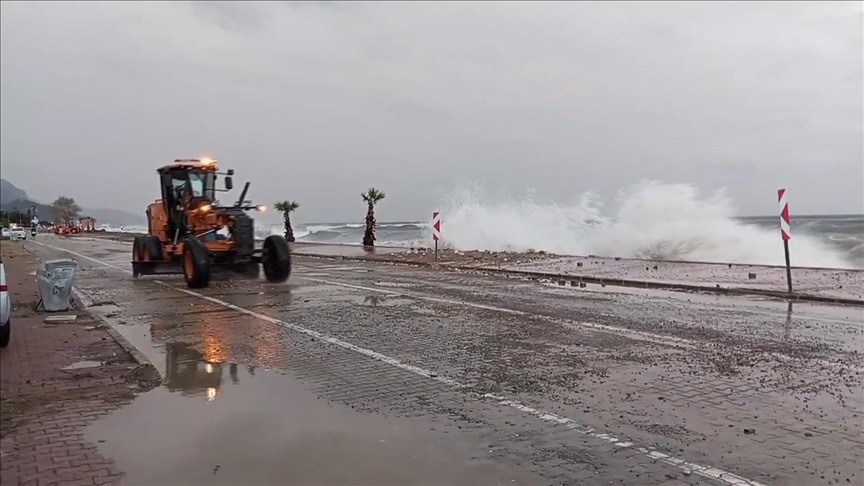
(151, 249)
(137, 251)
(196, 263)
(276, 259)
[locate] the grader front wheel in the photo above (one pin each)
(151, 249)
(136, 256)
(196, 264)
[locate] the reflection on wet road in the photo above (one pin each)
(408, 376)
(224, 423)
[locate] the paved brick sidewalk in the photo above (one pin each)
(44, 406)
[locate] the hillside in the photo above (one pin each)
(9, 193)
(21, 202)
(22, 205)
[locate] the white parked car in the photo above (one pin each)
(16, 234)
(5, 309)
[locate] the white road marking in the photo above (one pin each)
(708, 472)
(637, 335)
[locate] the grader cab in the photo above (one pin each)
(189, 232)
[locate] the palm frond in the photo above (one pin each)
(373, 196)
(286, 206)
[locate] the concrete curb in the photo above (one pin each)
(126, 345)
(615, 282)
(147, 369)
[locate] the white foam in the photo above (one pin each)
(649, 220)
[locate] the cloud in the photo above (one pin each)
(315, 101)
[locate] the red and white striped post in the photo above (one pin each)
(436, 231)
(785, 232)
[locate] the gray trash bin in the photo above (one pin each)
(55, 279)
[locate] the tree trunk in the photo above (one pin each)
(289, 231)
(369, 235)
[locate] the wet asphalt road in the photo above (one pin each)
(356, 373)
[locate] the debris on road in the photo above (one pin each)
(63, 319)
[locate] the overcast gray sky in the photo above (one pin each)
(316, 101)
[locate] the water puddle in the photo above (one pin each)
(347, 268)
(424, 311)
(375, 300)
(226, 423)
(316, 288)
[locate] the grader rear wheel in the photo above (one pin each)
(276, 259)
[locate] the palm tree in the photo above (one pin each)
(372, 197)
(286, 208)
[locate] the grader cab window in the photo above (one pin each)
(177, 185)
(200, 184)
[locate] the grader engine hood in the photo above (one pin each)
(211, 222)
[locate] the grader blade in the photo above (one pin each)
(165, 267)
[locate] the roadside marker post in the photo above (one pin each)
(436, 231)
(785, 232)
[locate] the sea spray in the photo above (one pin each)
(649, 220)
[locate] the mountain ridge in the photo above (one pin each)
(13, 198)
(9, 192)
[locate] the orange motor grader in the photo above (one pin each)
(189, 232)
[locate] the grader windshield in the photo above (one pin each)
(201, 183)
